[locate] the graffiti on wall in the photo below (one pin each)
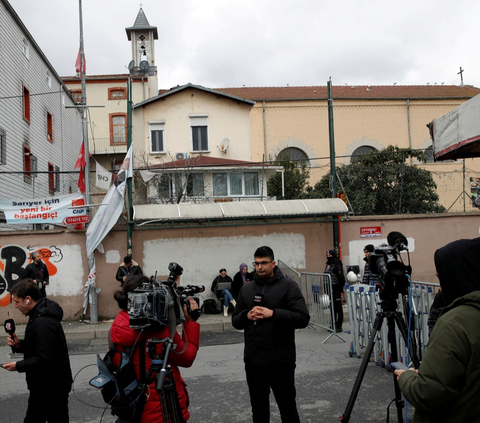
(13, 261)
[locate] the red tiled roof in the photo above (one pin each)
(392, 92)
(206, 161)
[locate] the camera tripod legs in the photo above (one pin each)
(393, 318)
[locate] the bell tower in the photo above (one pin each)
(143, 37)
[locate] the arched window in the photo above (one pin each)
(294, 154)
(362, 151)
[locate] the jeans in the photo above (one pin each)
(227, 297)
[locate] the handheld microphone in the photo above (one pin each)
(9, 326)
(396, 239)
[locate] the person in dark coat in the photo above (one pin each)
(368, 277)
(334, 268)
(446, 387)
(45, 355)
(128, 268)
(269, 309)
(226, 294)
(38, 272)
(241, 278)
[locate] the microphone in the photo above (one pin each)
(9, 326)
(397, 240)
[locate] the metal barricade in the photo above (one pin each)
(363, 306)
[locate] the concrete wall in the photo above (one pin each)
(203, 251)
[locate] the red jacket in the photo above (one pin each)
(123, 336)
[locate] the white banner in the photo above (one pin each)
(62, 209)
(103, 177)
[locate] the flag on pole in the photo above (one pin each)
(81, 181)
(103, 177)
(81, 157)
(78, 63)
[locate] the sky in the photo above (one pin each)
(235, 43)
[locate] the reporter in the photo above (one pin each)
(446, 387)
(125, 338)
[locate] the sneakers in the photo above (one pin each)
(234, 303)
(225, 311)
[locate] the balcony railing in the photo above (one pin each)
(106, 146)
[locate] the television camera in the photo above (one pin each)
(393, 272)
(160, 303)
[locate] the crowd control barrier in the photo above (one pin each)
(363, 303)
(317, 290)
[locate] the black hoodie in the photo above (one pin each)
(46, 361)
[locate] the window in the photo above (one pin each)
(118, 128)
(26, 48)
(199, 125)
(235, 184)
(363, 150)
(177, 185)
(49, 79)
(3, 147)
(293, 154)
(157, 137)
(27, 164)
(26, 104)
(49, 127)
(77, 96)
(57, 179)
(117, 93)
(51, 179)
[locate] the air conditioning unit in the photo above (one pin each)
(181, 156)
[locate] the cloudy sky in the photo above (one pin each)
(231, 43)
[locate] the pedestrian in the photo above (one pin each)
(334, 268)
(446, 387)
(224, 293)
(269, 309)
(38, 272)
(125, 338)
(45, 363)
(241, 278)
(369, 278)
(129, 267)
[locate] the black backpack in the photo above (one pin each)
(210, 307)
(119, 385)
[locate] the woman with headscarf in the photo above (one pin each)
(446, 387)
(334, 268)
(241, 278)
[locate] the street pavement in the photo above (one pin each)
(216, 382)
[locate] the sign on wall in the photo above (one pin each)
(370, 231)
(63, 209)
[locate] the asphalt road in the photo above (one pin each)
(218, 390)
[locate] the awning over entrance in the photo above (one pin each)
(151, 213)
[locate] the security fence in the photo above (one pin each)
(364, 304)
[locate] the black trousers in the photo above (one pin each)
(279, 378)
(47, 406)
(337, 309)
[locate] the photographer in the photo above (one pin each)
(125, 338)
(446, 387)
(37, 270)
(334, 268)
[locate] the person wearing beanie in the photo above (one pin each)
(368, 277)
(334, 268)
(446, 387)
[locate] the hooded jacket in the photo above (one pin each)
(46, 361)
(447, 386)
(238, 281)
(271, 341)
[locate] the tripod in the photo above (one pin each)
(165, 384)
(390, 313)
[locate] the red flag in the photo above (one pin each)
(78, 63)
(81, 181)
(81, 157)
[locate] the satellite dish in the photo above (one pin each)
(144, 65)
(131, 65)
(223, 147)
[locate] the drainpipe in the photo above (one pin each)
(264, 133)
(409, 129)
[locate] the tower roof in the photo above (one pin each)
(141, 23)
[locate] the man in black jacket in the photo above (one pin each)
(128, 268)
(46, 362)
(269, 309)
(37, 270)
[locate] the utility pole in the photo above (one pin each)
(129, 180)
(336, 245)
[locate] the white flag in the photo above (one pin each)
(103, 177)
